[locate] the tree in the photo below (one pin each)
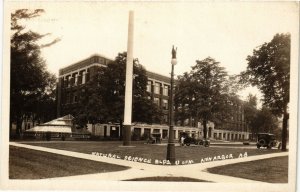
(202, 93)
(30, 82)
(103, 97)
(265, 121)
(183, 98)
(269, 69)
(250, 112)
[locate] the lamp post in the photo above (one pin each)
(171, 144)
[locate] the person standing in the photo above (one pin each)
(182, 141)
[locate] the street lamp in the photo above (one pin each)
(171, 144)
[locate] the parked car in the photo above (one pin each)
(190, 140)
(154, 138)
(267, 140)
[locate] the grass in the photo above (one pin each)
(195, 153)
(273, 170)
(174, 179)
(31, 164)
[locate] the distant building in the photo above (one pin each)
(235, 127)
(74, 77)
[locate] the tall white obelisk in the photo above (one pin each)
(128, 84)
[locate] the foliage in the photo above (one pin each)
(250, 112)
(31, 84)
(103, 97)
(202, 93)
(259, 120)
(269, 70)
(264, 121)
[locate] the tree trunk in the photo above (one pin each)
(19, 127)
(284, 130)
(121, 129)
(204, 129)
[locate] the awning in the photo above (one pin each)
(60, 125)
(54, 129)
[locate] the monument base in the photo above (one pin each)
(126, 135)
(171, 153)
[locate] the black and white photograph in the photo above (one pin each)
(149, 95)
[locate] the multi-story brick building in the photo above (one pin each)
(73, 78)
(234, 127)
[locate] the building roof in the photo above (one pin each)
(60, 125)
(84, 63)
(87, 61)
(157, 76)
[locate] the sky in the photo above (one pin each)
(225, 31)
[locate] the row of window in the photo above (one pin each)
(157, 88)
(73, 98)
(70, 98)
(229, 136)
(75, 79)
(164, 103)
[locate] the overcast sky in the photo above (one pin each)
(228, 32)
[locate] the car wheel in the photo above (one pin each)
(188, 144)
(279, 146)
(262, 142)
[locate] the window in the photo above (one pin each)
(79, 82)
(166, 118)
(166, 90)
(165, 104)
(68, 81)
(149, 85)
(157, 88)
(68, 98)
(71, 98)
(75, 98)
(75, 79)
(156, 101)
(72, 80)
(147, 132)
(156, 130)
(87, 77)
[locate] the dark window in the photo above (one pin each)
(75, 99)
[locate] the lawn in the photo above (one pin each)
(32, 164)
(154, 152)
(273, 170)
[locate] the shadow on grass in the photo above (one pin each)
(170, 179)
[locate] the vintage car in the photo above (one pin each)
(267, 140)
(154, 138)
(190, 140)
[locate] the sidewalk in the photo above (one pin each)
(140, 170)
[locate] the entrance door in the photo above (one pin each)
(209, 132)
(165, 134)
(137, 133)
(114, 131)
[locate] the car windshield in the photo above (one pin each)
(269, 136)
